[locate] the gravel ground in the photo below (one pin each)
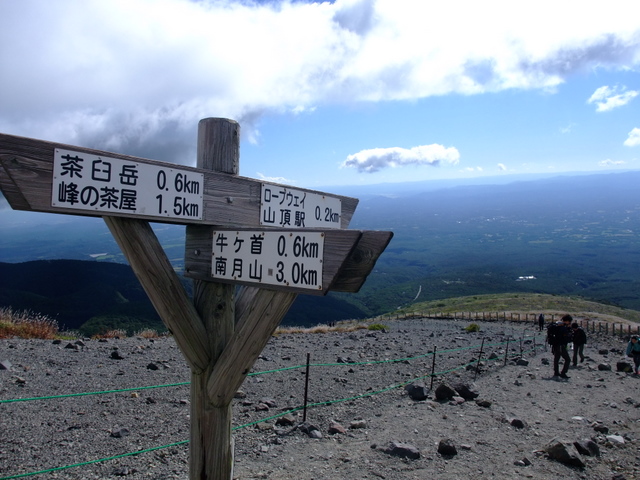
(601, 405)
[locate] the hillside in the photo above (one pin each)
(528, 303)
(572, 235)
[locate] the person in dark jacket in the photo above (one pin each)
(559, 335)
(579, 341)
(633, 350)
(541, 321)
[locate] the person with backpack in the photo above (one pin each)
(579, 341)
(559, 335)
(633, 350)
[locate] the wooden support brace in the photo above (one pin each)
(154, 271)
(258, 313)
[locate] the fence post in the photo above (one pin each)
(433, 366)
(479, 357)
(506, 352)
(306, 389)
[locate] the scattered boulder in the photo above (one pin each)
(335, 428)
(416, 391)
(447, 448)
(311, 430)
(269, 402)
(564, 452)
(587, 447)
(5, 365)
(604, 367)
(517, 423)
(465, 391)
(483, 403)
(355, 424)
(522, 362)
(119, 432)
(116, 355)
(403, 450)
(152, 366)
(286, 420)
(616, 439)
(444, 392)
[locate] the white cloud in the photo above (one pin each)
(611, 163)
(502, 167)
(275, 179)
(607, 98)
(376, 159)
(127, 74)
(633, 140)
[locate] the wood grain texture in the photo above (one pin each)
(227, 199)
(213, 459)
(260, 311)
(361, 261)
(162, 285)
(211, 456)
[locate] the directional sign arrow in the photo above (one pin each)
(42, 176)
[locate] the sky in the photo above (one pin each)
(350, 92)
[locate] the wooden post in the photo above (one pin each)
(211, 455)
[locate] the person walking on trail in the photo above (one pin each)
(633, 350)
(579, 341)
(559, 335)
(541, 321)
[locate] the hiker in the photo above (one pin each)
(559, 335)
(541, 321)
(633, 350)
(579, 341)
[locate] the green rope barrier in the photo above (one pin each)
(372, 362)
(92, 393)
(239, 427)
(90, 462)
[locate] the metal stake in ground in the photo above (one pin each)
(479, 357)
(306, 389)
(433, 367)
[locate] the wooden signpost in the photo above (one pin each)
(250, 247)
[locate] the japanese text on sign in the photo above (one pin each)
(292, 259)
(89, 182)
(289, 208)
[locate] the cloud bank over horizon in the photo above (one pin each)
(376, 159)
(135, 76)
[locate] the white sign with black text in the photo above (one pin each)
(89, 182)
(286, 207)
(284, 258)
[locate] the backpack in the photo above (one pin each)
(554, 334)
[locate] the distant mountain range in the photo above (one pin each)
(564, 235)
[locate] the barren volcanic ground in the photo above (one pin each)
(359, 408)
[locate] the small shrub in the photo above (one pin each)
(26, 324)
(147, 333)
(472, 327)
(118, 333)
(377, 327)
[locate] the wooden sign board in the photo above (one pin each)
(302, 261)
(51, 177)
(219, 335)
